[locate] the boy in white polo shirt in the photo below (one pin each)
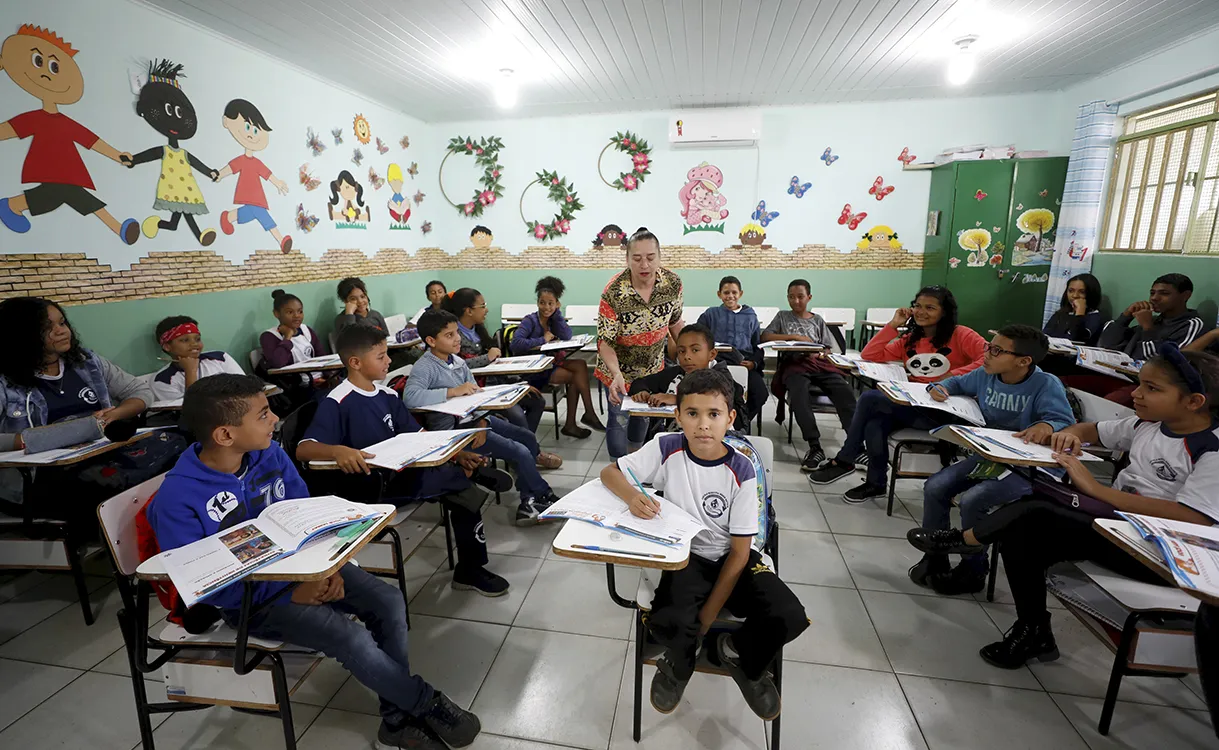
(179, 337)
(701, 474)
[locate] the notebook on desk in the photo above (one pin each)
(594, 503)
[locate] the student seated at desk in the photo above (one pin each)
(695, 351)
(436, 294)
(1078, 316)
(937, 348)
(441, 374)
(737, 325)
(478, 349)
(1164, 316)
(288, 343)
(708, 479)
(1014, 394)
(542, 327)
(357, 308)
(229, 477)
(802, 376)
(1173, 446)
(46, 376)
(179, 337)
(358, 413)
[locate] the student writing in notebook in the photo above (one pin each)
(1013, 394)
(712, 482)
(180, 339)
(1173, 445)
(441, 374)
(230, 476)
(358, 413)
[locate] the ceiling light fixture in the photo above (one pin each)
(506, 89)
(963, 63)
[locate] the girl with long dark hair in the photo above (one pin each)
(1078, 316)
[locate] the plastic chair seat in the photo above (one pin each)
(220, 636)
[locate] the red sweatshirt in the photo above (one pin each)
(926, 364)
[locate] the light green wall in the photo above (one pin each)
(232, 320)
(1126, 277)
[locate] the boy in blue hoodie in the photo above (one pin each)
(737, 325)
(229, 476)
(1014, 394)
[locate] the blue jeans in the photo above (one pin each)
(374, 650)
(517, 446)
(623, 433)
(876, 418)
(975, 497)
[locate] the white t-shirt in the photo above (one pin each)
(1164, 465)
(722, 494)
(170, 383)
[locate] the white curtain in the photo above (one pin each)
(1079, 216)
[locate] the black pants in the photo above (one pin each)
(1206, 643)
(756, 394)
(802, 386)
(1035, 533)
(773, 615)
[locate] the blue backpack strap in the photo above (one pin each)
(745, 448)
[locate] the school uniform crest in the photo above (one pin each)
(714, 504)
(220, 505)
(389, 421)
(87, 395)
(1164, 469)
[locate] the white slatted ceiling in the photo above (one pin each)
(607, 55)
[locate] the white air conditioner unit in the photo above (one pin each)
(715, 127)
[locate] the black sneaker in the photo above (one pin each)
(761, 694)
(454, 725)
(813, 459)
(406, 737)
(1021, 643)
(479, 579)
(861, 462)
(941, 542)
(527, 512)
(666, 689)
(864, 492)
(965, 578)
(544, 502)
(930, 565)
(830, 472)
(496, 480)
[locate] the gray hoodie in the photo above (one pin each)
(1142, 344)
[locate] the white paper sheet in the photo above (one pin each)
(850, 359)
(20, 457)
(408, 448)
(575, 342)
(803, 345)
(631, 405)
(515, 364)
(916, 394)
(313, 363)
(883, 371)
(463, 406)
(1004, 444)
(594, 503)
(1061, 345)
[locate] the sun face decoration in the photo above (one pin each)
(362, 129)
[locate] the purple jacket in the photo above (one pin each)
(530, 334)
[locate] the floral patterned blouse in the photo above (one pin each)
(636, 329)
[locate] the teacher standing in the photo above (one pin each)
(639, 309)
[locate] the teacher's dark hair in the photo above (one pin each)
(643, 235)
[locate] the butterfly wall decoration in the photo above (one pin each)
(1044, 193)
(314, 142)
(851, 220)
(980, 195)
(796, 188)
(880, 189)
(905, 157)
(381, 147)
(418, 197)
(426, 228)
(828, 157)
(357, 156)
(305, 221)
(413, 169)
(307, 179)
(377, 180)
(338, 136)
(405, 142)
(761, 215)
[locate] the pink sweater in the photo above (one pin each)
(964, 352)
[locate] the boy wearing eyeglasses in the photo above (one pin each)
(1014, 394)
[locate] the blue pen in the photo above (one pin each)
(639, 484)
(595, 548)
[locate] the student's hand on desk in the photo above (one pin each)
(938, 393)
(641, 397)
(1079, 474)
(642, 506)
(103, 417)
(465, 389)
(1066, 442)
(662, 399)
(351, 461)
(493, 353)
(1039, 433)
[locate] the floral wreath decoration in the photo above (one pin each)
(486, 155)
(563, 194)
(641, 161)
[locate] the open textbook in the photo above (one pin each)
(799, 345)
(408, 448)
(20, 458)
(525, 363)
(493, 395)
(848, 360)
(631, 405)
(1190, 550)
(176, 403)
(1106, 362)
(916, 394)
(883, 371)
(208, 565)
(1002, 445)
(313, 363)
(575, 342)
(595, 503)
(1060, 345)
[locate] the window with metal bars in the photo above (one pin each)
(1164, 186)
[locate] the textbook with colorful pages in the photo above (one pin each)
(1190, 550)
(916, 394)
(282, 529)
(595, 503)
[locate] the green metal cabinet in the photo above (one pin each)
(994, 236)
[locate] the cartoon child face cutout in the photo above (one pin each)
(611, 238)
(929, 365)
(249, 135)
(480, 238)
(167, 110)
(753, 236)
(42, 68)
(347, 191)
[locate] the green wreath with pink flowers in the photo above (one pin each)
(563, 194)
(641, 161)
(486, 155)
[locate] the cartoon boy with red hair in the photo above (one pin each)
(41, 63)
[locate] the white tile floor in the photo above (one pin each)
(885, 664)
